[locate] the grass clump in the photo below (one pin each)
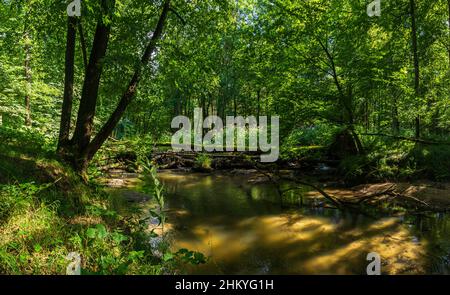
(203, 162)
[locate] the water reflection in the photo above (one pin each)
(244, 230)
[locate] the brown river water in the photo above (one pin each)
(243, 229)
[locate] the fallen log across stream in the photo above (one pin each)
(218, 160)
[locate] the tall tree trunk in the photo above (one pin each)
(27, 74)
(130, 92)
(416, 62)
(66, 112)
(83, 45)
(89, 95)
(344, 100)
(366, 115)
(234, 105)
(437, 111)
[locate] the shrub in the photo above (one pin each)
(203, 162)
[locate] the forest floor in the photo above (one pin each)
(47, 212)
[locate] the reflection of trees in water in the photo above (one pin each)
(246, 234)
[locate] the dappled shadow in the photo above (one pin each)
(20, 170)
(24, 158)
(45, 181)
(24, 142)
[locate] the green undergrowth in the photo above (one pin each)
(397, 160)
(47, 212)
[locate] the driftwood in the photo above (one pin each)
(327, 196)
(416, 200)
(387, 191)
(356, 201)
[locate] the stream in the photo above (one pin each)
(243, 229)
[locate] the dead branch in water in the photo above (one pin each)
(327, 196)
(377, 194)
(269, 175)
(340, 203)
(402, 196)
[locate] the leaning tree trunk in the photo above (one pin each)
(395, 121)
(83, 45)
(80, 148)
(345, 100)
(130, 92)
(89, 95)
(66, 113)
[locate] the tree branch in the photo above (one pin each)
(178, 15)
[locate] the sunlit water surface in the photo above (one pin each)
(243, 229)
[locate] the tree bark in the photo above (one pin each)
(395, 121)
(258, 110)
(66, 112)
(89, 95)
(83, 45)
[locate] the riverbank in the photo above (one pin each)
(47, 212)
(402, 173)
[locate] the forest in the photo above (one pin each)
(90, 181)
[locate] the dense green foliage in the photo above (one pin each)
(324, 66)
(316, 64)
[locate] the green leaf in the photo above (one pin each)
(101, 231)
(168, 256)
(91, 233)
(118, 237)
(37, 248)
(134, 255)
